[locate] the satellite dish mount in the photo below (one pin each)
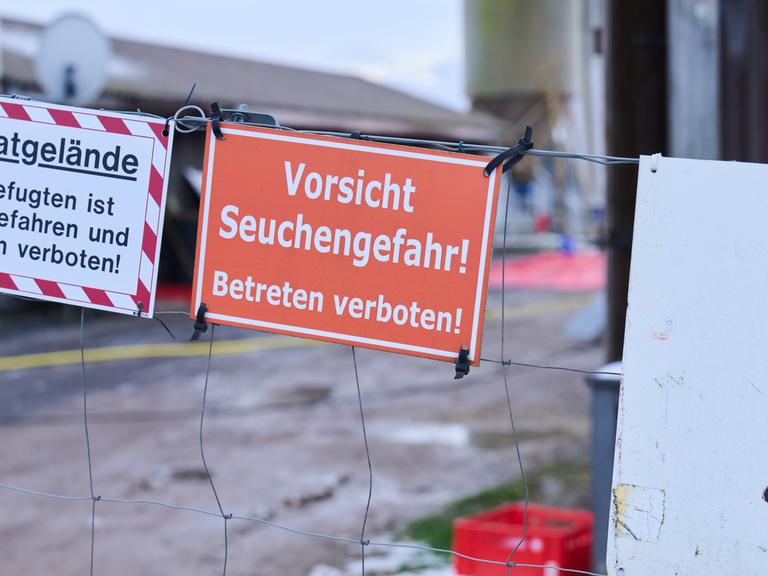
(72, 61)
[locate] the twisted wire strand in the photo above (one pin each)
(523, 478)
(551, 367)
(363, 542)
(226, 517)
(94, 498)
(199, 122)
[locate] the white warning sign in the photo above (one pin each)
(82, 196)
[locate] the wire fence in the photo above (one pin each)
(96, 496)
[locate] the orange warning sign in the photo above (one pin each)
(348, 241)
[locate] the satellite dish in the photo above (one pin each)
(72, 61)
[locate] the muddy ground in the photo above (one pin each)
(282, 438)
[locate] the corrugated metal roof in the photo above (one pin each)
(157, 78)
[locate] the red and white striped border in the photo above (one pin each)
(141, 302)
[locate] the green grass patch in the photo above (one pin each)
(436, 530)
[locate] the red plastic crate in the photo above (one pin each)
(557, 537)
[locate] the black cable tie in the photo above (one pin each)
(97, 498)
(215, 119)
(365, 542)
(227, 516)
(200, 324)
(461, 146)
(462, 364)
(356, 135)
(513, 155)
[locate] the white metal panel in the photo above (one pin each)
(691, 461)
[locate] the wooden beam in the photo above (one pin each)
(636, 124)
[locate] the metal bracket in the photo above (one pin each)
(241, 116)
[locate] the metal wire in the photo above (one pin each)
(31, 492)
(193, 123)
(363, 541)
(87, 437)
(297, 531)
(166, 328)
(507, 362)
(162, 505)
(190, 123)
(349, 540)
(523, 478)
(480, 560)
(226, 517)
(121, 417)
(549, 367)
(137, 112)
(202, 419)
(182, 124)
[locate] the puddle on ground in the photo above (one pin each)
(456, 435)
(303, 394)
(300, 395)
(187, 474)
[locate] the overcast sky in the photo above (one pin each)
(413, 45)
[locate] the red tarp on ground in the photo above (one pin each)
(578, 272)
